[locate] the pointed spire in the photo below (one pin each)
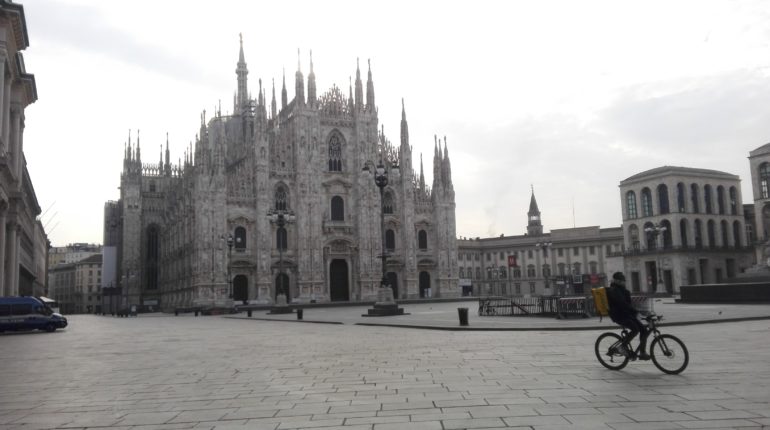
(534, 225)
(241, 71)
(447, 166)
(284, 98)
(311, 94)
(422, 175)
(261, 98)
(138, 149)
(350, 95)
(404, 128)
(359, 88)
(168, 156)
(273, 109)
(370, 89)
(299, 84)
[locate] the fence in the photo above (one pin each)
(554, 306)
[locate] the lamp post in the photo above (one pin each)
(281, 218)
(545, 246)
(654, 231)
(229, 261)
(386, 303)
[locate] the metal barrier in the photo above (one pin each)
(518, 306)
(573, 307)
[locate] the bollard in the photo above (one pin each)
(248, 312)
(299, 313)
(196, 312)
(176, 312)
(463, 314)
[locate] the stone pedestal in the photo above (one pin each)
(280, 306)
(385, 304)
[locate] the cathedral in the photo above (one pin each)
(281, 199)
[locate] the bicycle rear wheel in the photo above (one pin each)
(669, 354)
(609, 352)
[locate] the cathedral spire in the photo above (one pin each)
(370, 89)
(447, 166)
(284, 98)
(359, 88)
(242, 72)
(168, 157)
(261, 100)
(404, 127)
(350, 96)
(436, 165)
(273, 109)
(299, 84)
(534, 226)
(138, 149)
(422, 175)
(311, 83)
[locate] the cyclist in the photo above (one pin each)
(622, 312)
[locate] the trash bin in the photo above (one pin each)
(299, 313)
(248, 312)
(463, 314)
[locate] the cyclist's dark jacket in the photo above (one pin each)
(619, 300)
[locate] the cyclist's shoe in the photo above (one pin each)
(643, 356)
(625, 352)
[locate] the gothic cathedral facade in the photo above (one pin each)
(207, 232)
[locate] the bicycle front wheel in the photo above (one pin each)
(669, 354)
(609, 352)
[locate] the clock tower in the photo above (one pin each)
(534, 226)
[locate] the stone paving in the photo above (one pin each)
(164, 372)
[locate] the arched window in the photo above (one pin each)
(240, 238)
(335, 153)
(281, 240)
(576, 269)
(338, 209)
(725, 227)
(478, 273)
(387, 205)
(649, 230)
(633, 237)
(712, 234)
(562, 269)
(667, 237)
(593, 267)
(680, 197)
(721, 200)
(694, 197)
(462, 273)
(646, 202)
(280, 198)
(531, 271)
(517, 273)
(422, 240)
(631, 205)
(546, 271)
(698, 233)
(737, 234)
(683, 232)
(733, 201)
(663, 199)
(707, 198)
(502, 271)
(390, 240)
(764, 179)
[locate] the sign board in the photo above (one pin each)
(512, 261)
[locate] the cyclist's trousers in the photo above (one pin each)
(635, 327)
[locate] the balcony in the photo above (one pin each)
(685, 249)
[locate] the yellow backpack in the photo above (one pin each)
(601, 304)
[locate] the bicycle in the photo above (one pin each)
(668, 353)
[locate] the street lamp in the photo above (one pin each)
(229, 260)
(386, 303)
(545, 246)
(654, 231)
(281, 218)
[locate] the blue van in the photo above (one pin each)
(28, 313)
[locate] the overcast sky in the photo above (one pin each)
(569, 97)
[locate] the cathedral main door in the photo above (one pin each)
(424, 284)
(240, 288)
(338, 281)
(282, 286)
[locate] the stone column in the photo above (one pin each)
(3, 95)
(14, 138)
(6, 114)
(3, 211)
(11, 254)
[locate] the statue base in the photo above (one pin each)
(385, 305)
(280, 306)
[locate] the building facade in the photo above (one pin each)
(207, 232)
(23, 242)
(76, 286)
(683, 226)
(566, 261)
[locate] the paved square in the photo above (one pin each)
(166, 372)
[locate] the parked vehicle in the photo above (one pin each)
(28, 313)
